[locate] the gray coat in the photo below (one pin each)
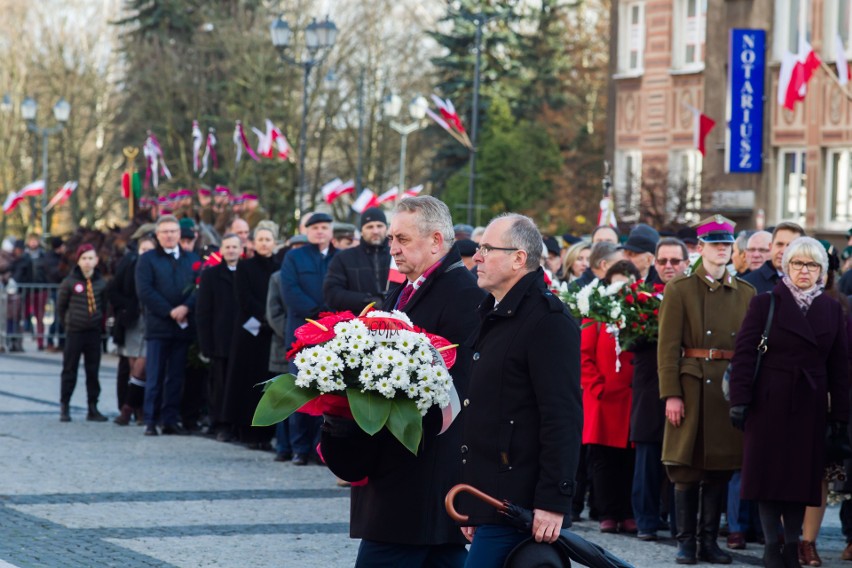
(276, 317)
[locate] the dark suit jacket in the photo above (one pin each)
(805, 362)
(216, 311)
(164, 283)
(403, 502)
(356, 277)
(523, 416)
(764, 278)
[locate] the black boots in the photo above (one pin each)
(686, 512)
(790, 555)
(93, 414)
(772, 557)
(708, 528)
(64, 412)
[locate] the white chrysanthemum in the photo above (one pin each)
(402, 316)
(423, 406)
(367, 378)
(379, 367)
(337, 345)
(407, 341)
(615, 312)
(352, 360)
(305, 377)
(301, 359)
(400, 378)
(613, 288)
(424, 354)
(412, 392)
(385, 387)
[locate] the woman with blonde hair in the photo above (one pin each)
(576, 261)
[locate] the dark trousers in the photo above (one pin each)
(612, 478)
(373, 554)
(582, 485)
(194, 397)
(88, 344)
(846, 519)
(122, 380)
(492, 544)
(648, 475)
(164, 371)
(304, 433)
(216, 390)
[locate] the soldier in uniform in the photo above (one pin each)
(699, 319)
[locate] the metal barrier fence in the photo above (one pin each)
(29, 310)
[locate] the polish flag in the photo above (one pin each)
(366, 200)
(796, 71)
(389, 195)
(413, 191)
(271, 141)
(62, 195)
(394, 275)
(197, 140)
(606, 216)
(448, 112)
(840, 61)
(33, 189)
(11, 202)
(701, 127)
(335, 188)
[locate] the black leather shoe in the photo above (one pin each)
(151, 431)
(175, 430)
(299, 459)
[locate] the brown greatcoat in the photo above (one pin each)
(700, 312)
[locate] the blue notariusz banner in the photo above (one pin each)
(746, 72)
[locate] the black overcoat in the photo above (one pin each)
(216, 306)
(523, 416)
(806, 361)
(248, 361)
(648, 410)
(403, 502)
(356, 277)
(764, 278)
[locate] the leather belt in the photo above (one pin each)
(708, 354)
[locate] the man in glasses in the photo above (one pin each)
(648, 412)
(758, 249)
(766, 276)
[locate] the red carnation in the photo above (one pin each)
(656, 312)
(196, 266)
(643, 317)
(635, 325)
(659, 287)
(629, 299)
(643, 297)
(634, 286)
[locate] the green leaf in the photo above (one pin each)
(281, 398)
(406, 423)
(370, 409)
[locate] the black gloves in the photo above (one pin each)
(738, 416)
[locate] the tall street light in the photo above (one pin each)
(61, 112)
(417, 111)
(319, 38)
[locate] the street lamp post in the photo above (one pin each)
(319, 38)
(61, 112)
(417, 110)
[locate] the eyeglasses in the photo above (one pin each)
(484, 250)
(799, 265)
(753, 250)
(672, 261)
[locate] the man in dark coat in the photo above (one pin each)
(215, 316)
(358, 276)
(647, 411)
(165, 283)
(399, 514)
(302, 275)
(767, 276)
(523, 417)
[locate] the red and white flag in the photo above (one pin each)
(448, 112)
(156, 162)
(606, 216)
(366, 200)
(701, 127)
(394, 275)
(335, 188)
(62, 195)
(840, 61)
(272, 142)
(197, 140)
(389, 195)
(413, 191)
(32, 189)
(241, 143)
(209, 152)
(11, 202)
(796, 71)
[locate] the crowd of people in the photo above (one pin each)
(738, 408)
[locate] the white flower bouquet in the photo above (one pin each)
(377, 368)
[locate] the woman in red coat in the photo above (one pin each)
(606, 416)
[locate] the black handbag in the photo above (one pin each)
(761, 349)
(837, 446)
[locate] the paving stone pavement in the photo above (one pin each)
(95, 494)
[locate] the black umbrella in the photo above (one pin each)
(569, 546)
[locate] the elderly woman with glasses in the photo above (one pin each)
(801, 385)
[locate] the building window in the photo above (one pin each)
(683, 200)
(837, 22)
(628, 184)
(791, 18)
(631, 37)
(689, 33)
(838, 181)
(792, 186)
